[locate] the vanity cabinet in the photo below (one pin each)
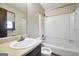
(35, 52)
(3, 21)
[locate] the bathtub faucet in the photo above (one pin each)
(43, 37)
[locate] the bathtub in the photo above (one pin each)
(62, 50)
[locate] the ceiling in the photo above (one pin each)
(49, 6)
(20, 6)
(46, 6)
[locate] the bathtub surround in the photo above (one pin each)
(61, 51)
(64, 30)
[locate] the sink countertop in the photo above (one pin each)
(4, 48)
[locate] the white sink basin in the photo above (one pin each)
(26, 43)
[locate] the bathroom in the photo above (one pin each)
(40, 29)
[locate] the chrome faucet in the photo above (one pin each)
(21, 39)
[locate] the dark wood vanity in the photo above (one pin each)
(35, 52)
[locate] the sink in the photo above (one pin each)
(26, 43)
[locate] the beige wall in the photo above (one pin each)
(33, 18)
(62, 10)
(19, 15)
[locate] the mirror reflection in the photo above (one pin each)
(12, 19)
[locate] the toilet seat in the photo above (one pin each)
(46, 51)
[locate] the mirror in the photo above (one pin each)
(12, 20)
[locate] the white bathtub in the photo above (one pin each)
(62, 50)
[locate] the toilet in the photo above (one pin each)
(46, 51)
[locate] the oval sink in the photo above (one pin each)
(28, 42)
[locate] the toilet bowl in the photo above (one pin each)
(46, 51)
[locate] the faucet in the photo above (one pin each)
(43, 37)
(21, 39)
